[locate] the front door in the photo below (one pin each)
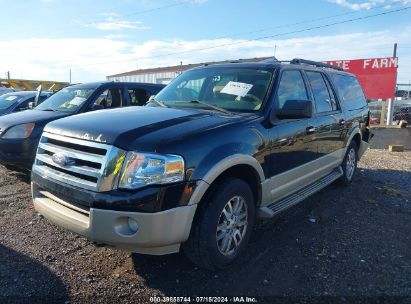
(294, 145)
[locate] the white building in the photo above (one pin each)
(166, 74)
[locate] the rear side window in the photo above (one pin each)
(291, 87)
(350, 90)
(111, 98)
(138, 97)
(323, 101)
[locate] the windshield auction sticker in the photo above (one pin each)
(237, 88)
(76, 101)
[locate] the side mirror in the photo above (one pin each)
(32, 105)
(97, 107)
(294, 109)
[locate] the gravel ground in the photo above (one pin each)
(342, 242)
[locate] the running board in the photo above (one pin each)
(275, 208)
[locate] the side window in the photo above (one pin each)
(350, 90)
(334, 103)
(320, 91)
(111, 98)
(24, 105)
(138, 97)
(42, 98)
(291, 87)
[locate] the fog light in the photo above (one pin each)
(132, 224)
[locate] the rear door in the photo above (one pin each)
(330, 123)
(110, 98)
(137, 96)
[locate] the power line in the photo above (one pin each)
(301, 22)
(260, 38)
(156, 8)
(268, 28)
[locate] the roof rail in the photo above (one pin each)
(315, 63)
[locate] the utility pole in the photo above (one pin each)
(70, 76)
(390, 112)
(8, 74)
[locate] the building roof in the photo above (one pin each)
(180, 68)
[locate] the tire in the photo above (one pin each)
(211, 222)
(349, 164)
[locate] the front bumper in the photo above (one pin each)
(158, 233)
(19, 152)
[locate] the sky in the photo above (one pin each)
(45, 39)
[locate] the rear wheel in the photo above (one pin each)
(349, 164)
(223, 225)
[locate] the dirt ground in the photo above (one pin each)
(346, 244)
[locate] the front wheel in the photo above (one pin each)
(349, 164)
(223, 225)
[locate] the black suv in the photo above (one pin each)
(219, 147)
(20, 132)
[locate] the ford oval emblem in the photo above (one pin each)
(61, 159)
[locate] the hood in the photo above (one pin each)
(6, 111)
(36, 116)
(125, 126)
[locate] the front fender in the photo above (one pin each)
(220, 167)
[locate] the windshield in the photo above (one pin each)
(6, 101)
(232, 89)
(68, 99)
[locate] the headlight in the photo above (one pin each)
(19, 131)
(141, 169)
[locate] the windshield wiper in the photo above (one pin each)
(50, 110)
(158, 102)
(207, 105)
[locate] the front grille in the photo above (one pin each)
(85, 164)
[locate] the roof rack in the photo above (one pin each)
(315, 63)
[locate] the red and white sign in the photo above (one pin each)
(378, 76)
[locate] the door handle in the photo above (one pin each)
(311, 130)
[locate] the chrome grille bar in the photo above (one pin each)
(73, 153)
(85, 164)
(88, 171)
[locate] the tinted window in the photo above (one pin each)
(291, 87)
(24, 105)
(350, 90)
(320, 91)
(138, 97)
(111, 98)
(334, 103)
(42, 98)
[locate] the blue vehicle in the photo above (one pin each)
(20, 132)
(19, 101)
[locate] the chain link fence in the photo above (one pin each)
(379, 112)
